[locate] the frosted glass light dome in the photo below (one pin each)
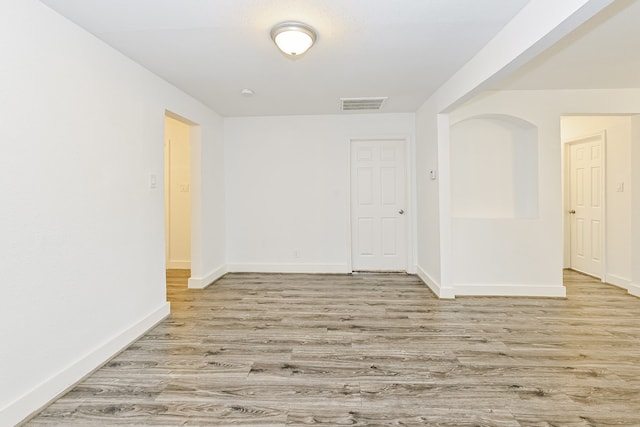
(293, 38)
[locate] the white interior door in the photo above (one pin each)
(586, 200)
(378, 197)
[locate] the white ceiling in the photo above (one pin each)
(212, 49)
(603, 53)
(401, 49)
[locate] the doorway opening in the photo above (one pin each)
(597, 199)
(178, 198)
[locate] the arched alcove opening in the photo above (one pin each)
(494, 167)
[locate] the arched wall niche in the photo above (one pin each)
(494, 167)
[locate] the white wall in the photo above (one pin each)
(531, 251)
(208, 240)
(634, 287)
(430, 235)
(494, 195)
(618, 203)
(82, 231)
(288, 188)
(177, 193)
(499, 233)
(494, 162)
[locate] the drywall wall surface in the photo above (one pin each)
(288, 188)
(494, 167)
(530, 251)
(82, 218)
(506, 249)
(428, 175)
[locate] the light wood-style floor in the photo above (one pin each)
(367, 350)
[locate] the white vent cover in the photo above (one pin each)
(362, 104)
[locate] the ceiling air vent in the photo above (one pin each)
(362, 104)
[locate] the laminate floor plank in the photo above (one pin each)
(402, 417)
(369, 350)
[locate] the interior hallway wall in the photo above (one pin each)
(288, 188)
(82, 223)
(617, 189)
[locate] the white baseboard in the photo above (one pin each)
(634, 289)
(209, 278)
(40, 396)
(554, 291)
(288, 268)
(620, 282)
(441, 292)
(179, 265)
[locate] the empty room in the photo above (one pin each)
(323, 212)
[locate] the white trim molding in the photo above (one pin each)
(43, 394)
(634, 289)
(341, 268)
(441, 292)
(552, 291)
(208, 279)
(618, 281)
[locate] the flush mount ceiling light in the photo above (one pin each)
(293, 38)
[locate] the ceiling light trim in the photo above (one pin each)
(293, 38)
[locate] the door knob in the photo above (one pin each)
(572, 211)
(401, 211)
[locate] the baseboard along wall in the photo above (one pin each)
(42, 395)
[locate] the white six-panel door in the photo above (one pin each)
(586, 196)
(378, 197)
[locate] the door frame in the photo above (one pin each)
(410, 199)
(566, 216)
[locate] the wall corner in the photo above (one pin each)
(441, 292)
